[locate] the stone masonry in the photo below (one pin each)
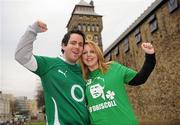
(157, 102)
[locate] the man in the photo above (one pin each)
(61, 76)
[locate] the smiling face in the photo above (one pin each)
(89, 57)
(96, 90)
(74, 48)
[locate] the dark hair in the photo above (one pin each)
(67, 37)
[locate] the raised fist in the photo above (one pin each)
(42, 26)
(148, 48)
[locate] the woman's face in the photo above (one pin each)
(90, 58)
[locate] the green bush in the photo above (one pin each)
(36, 123)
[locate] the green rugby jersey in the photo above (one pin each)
(63, 91)
(108, 102)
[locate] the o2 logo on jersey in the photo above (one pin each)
(77, 87)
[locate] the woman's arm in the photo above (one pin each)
(145, 71)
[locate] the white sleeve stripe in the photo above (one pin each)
(31, 64)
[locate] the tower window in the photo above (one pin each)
(96, 38)
(93, 28)
(97, 28)
(84, 27)
(79, 27)
(88, 27)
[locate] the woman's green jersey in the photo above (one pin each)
(107, 98)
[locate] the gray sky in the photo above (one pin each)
(16, 15)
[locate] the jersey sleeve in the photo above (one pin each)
(127, 73)
(145, 71)
(42, 65)
(24, 49)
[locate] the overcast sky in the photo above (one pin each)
(16, 15)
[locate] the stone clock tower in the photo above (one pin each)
(85, 19)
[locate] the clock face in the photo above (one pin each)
(89, 37)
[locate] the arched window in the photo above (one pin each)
(96, 38)
(93, 28)
(79, 27)
(97, 28)
(84, 27)
(88, 27)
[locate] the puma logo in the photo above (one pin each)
(64, 73)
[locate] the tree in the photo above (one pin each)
(40, 97)
(40, 100)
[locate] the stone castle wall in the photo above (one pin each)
(158, 100)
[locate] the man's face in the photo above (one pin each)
(96, 90)
(74, 48)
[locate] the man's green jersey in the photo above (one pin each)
(107, 98)
(63, 90)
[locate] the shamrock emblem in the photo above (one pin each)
(110, 95)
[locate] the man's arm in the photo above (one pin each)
(23, 53)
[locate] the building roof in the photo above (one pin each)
(86, 13)
(84, 8)
(83, 3)
(89, 11)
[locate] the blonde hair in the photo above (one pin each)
(102, 65)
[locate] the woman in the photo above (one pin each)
(105, 91)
